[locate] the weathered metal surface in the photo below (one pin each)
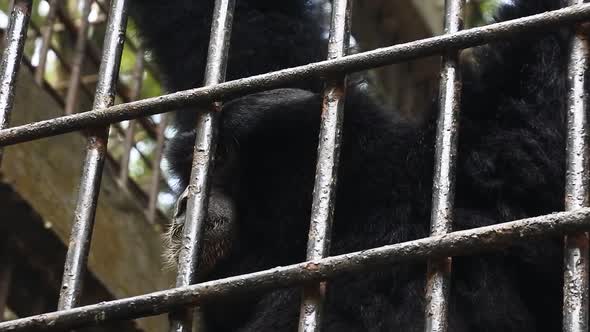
(324, 192)
(203, 160)
(577, 190)
(468, 242)
(357, 62)
(11, 58)
(443, 191)
(96, 149)
(125, 254)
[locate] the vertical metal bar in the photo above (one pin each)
(78, 61)
(204, 151)
(46, 33)
(324, 192)
(575, 287)
(95, 155)
(127, 146)
(157, 158)
(130, 132)
(11, 58)
(443, 190)
(10, 5)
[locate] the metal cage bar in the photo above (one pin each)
(130, 131)
(443, 190)
(15, 41)
(573, 224)
(468, 242)
(203, 160)
(155, 181)
(81, 235)
(46, 34)
(575, 284)
(78, 60)
(128, 142)
(352, 63)
(324, 191)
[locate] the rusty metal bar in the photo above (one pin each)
(46, 34)
(351, 63)
(324, 192)
(95, 155)
(438, 277)
(78, 61)
(157, 158)
(127, 146)
(203, 159)
(130, 132)
(15, 41)
(462, 243)
(575, 286)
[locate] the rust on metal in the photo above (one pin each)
(460, 243)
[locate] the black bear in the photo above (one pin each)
(511, 165)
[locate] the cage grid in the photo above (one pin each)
(436, 249)
(77, 80)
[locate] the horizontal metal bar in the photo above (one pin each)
(467, 242)
(358, 62)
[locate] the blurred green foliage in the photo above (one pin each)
(480, 12)
(57, 76)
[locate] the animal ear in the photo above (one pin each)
(180, 208)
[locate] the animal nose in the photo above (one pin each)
(220, 206)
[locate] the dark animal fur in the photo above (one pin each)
(511, 165)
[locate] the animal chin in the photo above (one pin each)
(218, 232)
(218, 236)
